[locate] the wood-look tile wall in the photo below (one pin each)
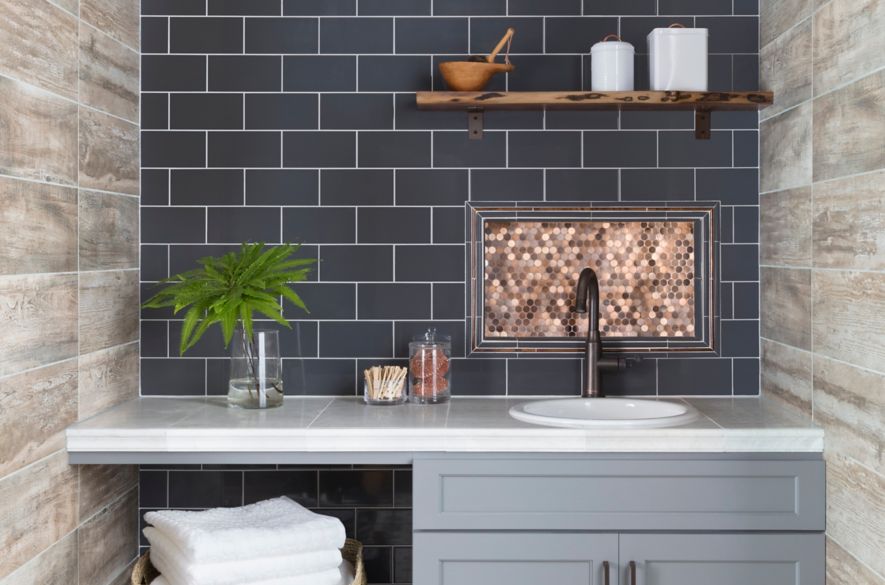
(69, 186)
(822, 247)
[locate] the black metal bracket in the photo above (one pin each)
(475, 123)
(702, 124)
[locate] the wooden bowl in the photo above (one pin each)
(471, 75)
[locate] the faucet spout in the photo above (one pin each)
(587, 301)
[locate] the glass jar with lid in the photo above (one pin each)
(429, 368)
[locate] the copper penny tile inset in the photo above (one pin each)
(645, 270)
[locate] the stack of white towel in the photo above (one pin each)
(275, 542)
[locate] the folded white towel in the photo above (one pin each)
(329, 577)
(346, 575)
(236, 570)
(269, 528)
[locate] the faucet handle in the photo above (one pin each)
(618, 363)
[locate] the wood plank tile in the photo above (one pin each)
(108, 231)
(785, 150)
(108, 309)
(102, 484)
(108, 153)
(785, 69)
(786, 375)
(776, 16)
(844, 569)
(107, 378)
(38, 505)
(39, 316)
(856, 510)
(785, 227)
(849, 136)
(850, 404)
(38, 227)
(39, 138)
(848, 317)
(849, 42)
(38, 45)
(786, 306)
(35, 409)
(109, 540)
(849, 223)
(118, 19)
(54, 566)
(108, 74)
(72, 6)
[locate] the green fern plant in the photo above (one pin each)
(229, 290)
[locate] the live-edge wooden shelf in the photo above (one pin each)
(703, 103)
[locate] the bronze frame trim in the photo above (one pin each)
(707, 210)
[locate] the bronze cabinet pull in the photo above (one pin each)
(632, 572)
(605, 572)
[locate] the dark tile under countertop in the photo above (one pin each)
(153, 489)
(205, 489)
(356, 488)
(384, 526)
(300, 486)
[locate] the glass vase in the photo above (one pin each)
(256, 370)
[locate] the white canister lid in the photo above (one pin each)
(604, 46)
(656, 32)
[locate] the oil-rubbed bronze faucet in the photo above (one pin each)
(587, 301)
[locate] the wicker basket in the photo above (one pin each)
(144, 572)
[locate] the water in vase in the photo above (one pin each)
(243, 393)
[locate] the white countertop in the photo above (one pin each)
(194, 430)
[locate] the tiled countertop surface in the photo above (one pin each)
(468, 425)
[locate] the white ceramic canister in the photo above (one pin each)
(677, 59)
(611, 65)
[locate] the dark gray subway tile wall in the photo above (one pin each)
(295, 120)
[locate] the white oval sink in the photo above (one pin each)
(604, 413)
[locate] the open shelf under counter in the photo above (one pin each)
(703, 103)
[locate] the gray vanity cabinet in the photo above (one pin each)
(566, 558)
(722, 559)
(522, 558)
(668, 519)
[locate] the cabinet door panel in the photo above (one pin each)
(484, 558)
(611, 495)
(724, 559)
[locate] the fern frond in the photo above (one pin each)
(229, 289)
